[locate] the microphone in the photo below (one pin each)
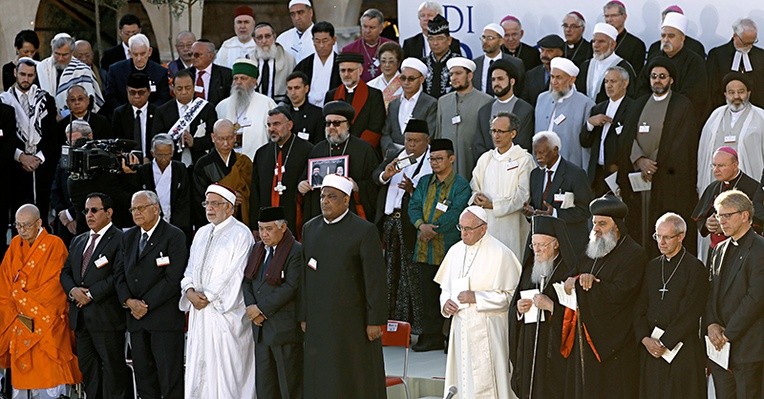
(451, 392)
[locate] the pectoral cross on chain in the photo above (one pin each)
(663, 291)
(373, 69)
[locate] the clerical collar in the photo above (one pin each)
(222, 224)
(351, 89)
(736, 178)
(661, 98)
(500, 101)
(337, 220)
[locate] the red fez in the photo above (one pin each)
(243, 10)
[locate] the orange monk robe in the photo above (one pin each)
(29, 285)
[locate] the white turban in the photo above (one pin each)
(606, 29)
(564, 65)
(341, 183)
(415, 63)
(462, 62)
(675, 20)
(222, 191)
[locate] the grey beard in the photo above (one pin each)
(600, 246)
(342, 137)
(59, 67)
(600, 57)
(241, 98)
(737, 108)
(556, 95)
(266, 54)
(541, 268)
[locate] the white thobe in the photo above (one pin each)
(298, 46)
(232, 49)
(478, 353)
(252, 121)
(220, 350)
(505, 180)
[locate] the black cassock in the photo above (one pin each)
(606, 312)
(344, 290)
(549, 377)
(677, 311)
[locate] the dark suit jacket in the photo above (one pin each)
(478, 79)
(615, 146)
(535, 84)
(116, 91)
(426, 108)
(139, 277)
(719, 63)
(221, 80)
(483, 141)
(306, 66)
(527, 53)
(98, 124)
(180, 196)
(167, 115)
(279, 304)
(736, 302)
(414, 47)
(174, 66)
(122, 125)
(567, 178)
(582, 83)
(8, 138)
(631, 49)
(104, 312)
(116, 54)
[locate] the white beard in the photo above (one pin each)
(240, 98)
(556, 95)
(269, 53)
(600, 246)
(541, 268)
(737, 108)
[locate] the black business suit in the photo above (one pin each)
(582, 85)
(157, 338)
(221, 79)
(736, 304)
(123, 121)
(116, 91)
(414, 47)
(616, 146)
(7, 149)
(100, 325)
(527, 53)
(536, 82)
(180, 194)
(567, 178)
(168, 114)
(278, 343)
(116, 54)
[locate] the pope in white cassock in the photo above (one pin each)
(246, 108)
(220, 351)
(501, 184)
(478, 277)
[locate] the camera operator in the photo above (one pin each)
(65, 224)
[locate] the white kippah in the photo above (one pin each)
(477, 211)
(415, 63)
(222, 191)
(495, 28)
(462, 62)
(564, 65)
(606, 29)
(296, 2)
(341, 183)
(675, 20)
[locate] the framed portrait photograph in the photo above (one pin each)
(318, 168)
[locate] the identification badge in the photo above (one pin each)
(559, 119)
(163, 261)
(303, 135)
(456, 120)
(313, 264)
(244, 121)
(618, 129)
(1, 132)
(559, 197)
(199, 89)
(153, 87)
(441, 207)
(730, 139)
(644, 128)
(101, 262)
(512, 165)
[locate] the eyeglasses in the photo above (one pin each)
(488, 38)
(134, 93)
(574, 26)
(139, 208)
(404, 78)
(24, 226)
(660, 238)
(660, 76)
(539, 245)
(467, 229)
(214, 204)
(499, 131)
(436, 159)
(91, 210)
(334, 123)
(725, 216)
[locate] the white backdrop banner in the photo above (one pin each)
(710, 21)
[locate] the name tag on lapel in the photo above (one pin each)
(163, 261)
(313, 264)
(101, 262)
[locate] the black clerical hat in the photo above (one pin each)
(284, 110)
(270, 214)
(138, 80)
(551, 41)
(735, 75)
(557, 228)
(339, 108)
(441, 145)
(347, 56)
(437, 26)
(661, 61)
(610, 205)
(417, 126)
(505, 66)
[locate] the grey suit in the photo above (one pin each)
(478, 79)
(426, 108)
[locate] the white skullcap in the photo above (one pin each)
(606, 29)
(477, 211)
(495, 28)
(675, 20)
(296, 2)
(222, 191)
(462, 62)
(27, 59)
(564, 65)
(415, 63)
(341, 183)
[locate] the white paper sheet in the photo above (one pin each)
(637, 184)
(671, 353)
(569, 301)
(611, 182)
(531, 315)
(722, 357)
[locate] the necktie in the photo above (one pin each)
(266, 262)
(88, 253)
(488, 86)
(142, 243)
(25, 103)
(266, 81)
(137, 131)
(548, 184)
(200, 83)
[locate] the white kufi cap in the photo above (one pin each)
(564, 65)
(222, 191)
(462, 62)
(341, 183)
(415, 63)
(606, 29)
(296, 2)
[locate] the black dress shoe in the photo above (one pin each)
(426, 344)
